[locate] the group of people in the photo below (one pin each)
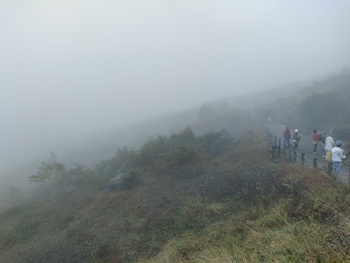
(295, 138)
(332, 151)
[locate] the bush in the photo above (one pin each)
(130, 181)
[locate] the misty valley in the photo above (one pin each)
(174, 131)
(207, 190)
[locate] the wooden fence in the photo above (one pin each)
(278, 148)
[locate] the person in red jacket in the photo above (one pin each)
(286, 135)
(315, 140)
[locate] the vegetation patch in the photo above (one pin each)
(183, 198)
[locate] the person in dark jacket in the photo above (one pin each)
(323, 140)
(296, 138)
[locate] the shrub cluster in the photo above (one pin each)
(190, 192)
(182, 155)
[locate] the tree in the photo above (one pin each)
(50, 171)
(43, 175)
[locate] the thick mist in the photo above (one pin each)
(73, 68)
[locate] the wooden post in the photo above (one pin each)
(290, 154)
(279, 146)
(330, 168)
(275, 140)
(302, 158)
(276, 151)
(314, 163)
(294, 155)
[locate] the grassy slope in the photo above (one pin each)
(243, 209)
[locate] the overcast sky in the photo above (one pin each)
(69, 67)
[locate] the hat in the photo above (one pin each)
(296, 130)
(338, 143)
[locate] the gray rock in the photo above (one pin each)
(113, 183)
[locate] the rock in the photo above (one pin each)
(113, 183)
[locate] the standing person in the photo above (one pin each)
(337, 157)
(315, 140)
(323, 144)
(286, 135)
(328, 147)
(296, 138)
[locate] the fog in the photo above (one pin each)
(71, 68)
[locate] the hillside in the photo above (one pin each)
(135, 135)
(186, 197)
(208, 192)
(90, 149)
(322, 105)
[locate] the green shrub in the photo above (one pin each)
(130, 180)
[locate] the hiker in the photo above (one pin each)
(329, 143)
(296, 138)
(286, 135)
(323, 140)
(337, 157)
(315, 140)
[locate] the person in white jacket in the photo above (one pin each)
(329, 143)
(337, 157)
